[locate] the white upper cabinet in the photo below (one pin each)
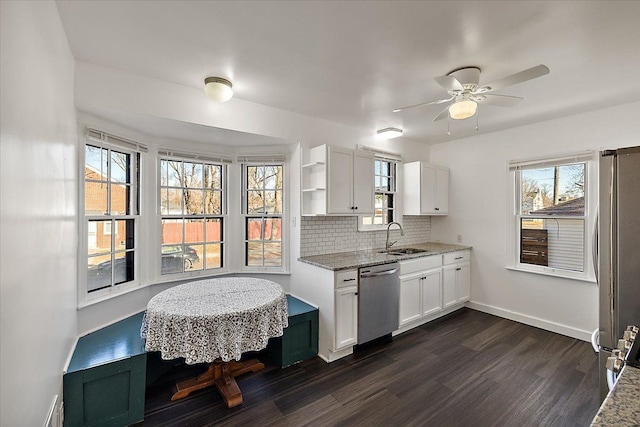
(425, 189)
(337, 181)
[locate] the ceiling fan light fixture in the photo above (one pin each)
(463, 109)
(218, 89)
(389, 133)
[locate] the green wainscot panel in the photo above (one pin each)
(106, 378)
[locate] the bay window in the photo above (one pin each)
(192, 210)
(110, 206)
(262, 211)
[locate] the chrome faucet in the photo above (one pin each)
(387, 244)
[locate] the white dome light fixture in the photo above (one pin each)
(218, 89)
(389, 133)
(463, 109)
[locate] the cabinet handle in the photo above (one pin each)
(459, 257)
(356, 293)
(458, 269)
(355, 207)
(348, 280)
(437, 209)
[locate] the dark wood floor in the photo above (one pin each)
(471, 369)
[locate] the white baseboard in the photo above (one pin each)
(532, 321)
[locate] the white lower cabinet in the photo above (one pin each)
(410, 300)
(432, 285)
(456, 281)
(420, 295)
(420, 287)
(346, 317)
(431, 292)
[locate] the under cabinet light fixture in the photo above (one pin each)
(389, 133)
(218, 89)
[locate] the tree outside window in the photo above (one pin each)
(192, 211)
(384, 196)
(263, 210)
(552, 216)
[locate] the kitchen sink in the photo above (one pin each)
(404, 251)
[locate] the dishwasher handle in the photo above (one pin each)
(379, 273)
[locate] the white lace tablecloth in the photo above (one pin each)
(214, 318)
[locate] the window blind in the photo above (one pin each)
(218, 158)
(100, 136)
(584, 156)
(381, 154)
(262, 158)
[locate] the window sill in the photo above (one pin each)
(173, 280)
(563, 274)
(113, 293)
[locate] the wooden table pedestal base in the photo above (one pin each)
(222, 374)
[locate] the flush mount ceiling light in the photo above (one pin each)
(389, 133)
(463, 109)
(218, 89)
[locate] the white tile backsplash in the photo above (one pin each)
(325, 235)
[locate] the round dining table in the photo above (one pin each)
(215, 321)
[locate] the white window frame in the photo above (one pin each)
(397, 214)
(258, 160)
(514, 215)
(224, 216)
(137, 152)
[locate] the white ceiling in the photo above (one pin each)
(353, 62)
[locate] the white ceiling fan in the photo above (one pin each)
(465, 93)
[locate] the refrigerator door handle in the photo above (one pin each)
(612, 250)
(594, 248)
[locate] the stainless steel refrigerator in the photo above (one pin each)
(618, 253)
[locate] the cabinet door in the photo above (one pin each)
(410, 309)
(463, 282)
(428, 176)
(449, 296)
(442, 190)
(431, 291)
(346, 316)
(363, 166)
(340, 181)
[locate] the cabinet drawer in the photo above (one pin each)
(456, 257)
(346, 278)
(419, 264)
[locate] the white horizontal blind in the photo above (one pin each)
(581, 157)
(218, 158)
(262, 158)
(100, 136)
(566, 243)
(381, 154)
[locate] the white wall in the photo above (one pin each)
(38, 227)
(478, 212)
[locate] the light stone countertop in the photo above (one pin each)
(366, 258)
(622, 405)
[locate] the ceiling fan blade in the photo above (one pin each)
(497, 100)
(444, 113)
(439, 101)
(450, 83)
(514, 79)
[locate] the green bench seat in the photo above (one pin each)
(105, 381)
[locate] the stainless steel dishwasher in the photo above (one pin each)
(378, 301)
